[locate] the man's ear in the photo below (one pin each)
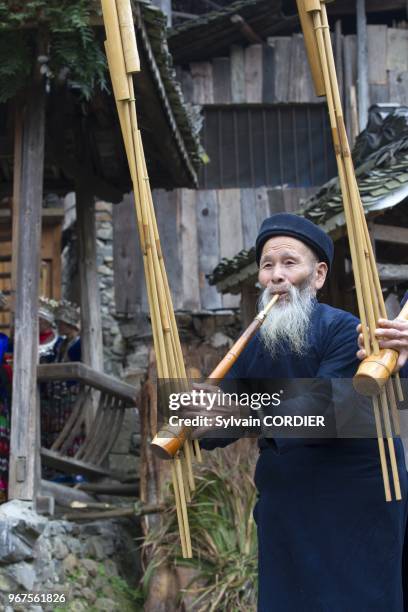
(320, 274)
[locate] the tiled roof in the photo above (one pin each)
(187, 116)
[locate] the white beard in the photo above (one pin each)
(288, 321)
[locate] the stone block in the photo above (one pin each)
(95, 548)
(103, 604)
(129, 464)
(89, 595)
(60, 550)
(91, 566)
(12, 548)
(22, 573)
(219, 340)
(70, 563)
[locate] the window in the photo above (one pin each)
(267, 145)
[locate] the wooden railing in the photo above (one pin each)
(96, 443)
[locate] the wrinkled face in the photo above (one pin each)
(286, 262)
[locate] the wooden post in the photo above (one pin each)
(362, 65)
(17, 153)
(24, 451)
(90, 302)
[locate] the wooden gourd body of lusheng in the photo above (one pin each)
(377, 368)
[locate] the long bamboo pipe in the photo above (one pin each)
(170, 439)
(377, 368)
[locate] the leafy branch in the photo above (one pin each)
(74, 53)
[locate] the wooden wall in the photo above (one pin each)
(278, 72)
(197, 229)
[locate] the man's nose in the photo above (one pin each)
(277, 275)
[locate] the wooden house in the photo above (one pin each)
(264, 130)
(55, 143)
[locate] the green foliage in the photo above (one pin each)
(74, 53)
(224, 564)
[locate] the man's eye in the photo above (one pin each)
(290, 262)
(266, 265)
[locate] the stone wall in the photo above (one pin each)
(95, 565)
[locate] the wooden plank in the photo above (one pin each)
(168, 221)
(203, 92)
(362, 65)
(17, 162)
(237, 74)
(338, 57)
(276, 201)
(268, 80)
(350, 75)
(249, 219)
(253, 73)
(291, 199)
(394, 273)
(230, 224)
(189, 249)
(397, 49)
(186, 81)
(222, 80)
(300, 88)
(262, 205)
(390, 233)
(24, 451)
(75, 466)
(86, 375)
(230, 228)
(128, 272)
(282, 46)
(90, 301)
(398, 86)
(208, 245)
(377, 54)
(379, 93)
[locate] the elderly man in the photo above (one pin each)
(328, 541)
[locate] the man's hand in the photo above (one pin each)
(390, 334)
(207, 407)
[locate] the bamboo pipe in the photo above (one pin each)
(127, 31)
(118, 72)
(165, 337)
(310, 44)
(351, 203)
(169, 440)
(376, 369)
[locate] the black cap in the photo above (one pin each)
(286, 224)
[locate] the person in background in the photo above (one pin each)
(68, 345)
(5, 406)
(47, 333)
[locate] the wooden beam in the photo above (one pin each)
(75, 466)
(90, 301)
(84, 374)
(18, 151)
(23, 442)
(394, 273)
(362, 65)
(390, 233)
